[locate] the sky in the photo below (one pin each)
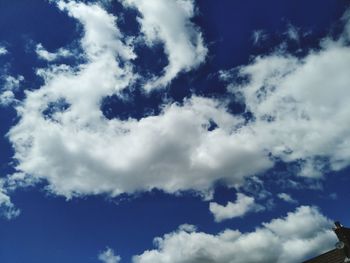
(173, 131)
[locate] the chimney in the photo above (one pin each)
(343, 235)
(337, 225)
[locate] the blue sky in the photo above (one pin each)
(173, 130)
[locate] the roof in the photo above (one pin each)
(333, 256)
(342, 251)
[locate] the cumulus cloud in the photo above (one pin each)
(51, 56)
(7, 208)
(299, 114)
(105, 152)
(170, 23)
(287, 198)
(296, 237)
(81, 88)
(108, 256)
(63, 137)
(242, 206)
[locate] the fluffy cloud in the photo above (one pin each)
(108, 256)
(299, 114)
(64, 138)
(170, 23)
(81, 88)
(105, 153)
(301, 234)
(242, 206)
(7, 208)
(102, 38)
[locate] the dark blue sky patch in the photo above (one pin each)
(7, 119)
(133, 103)
(24, 24)
(76, 229)
(228, 27)
(126, 18)
(150, 61)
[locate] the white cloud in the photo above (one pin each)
(101, 35)
(287, 198)
(300, 111)
(296, 237)
(242, 206)
(108, 256)
(7, 97)
(7, 208)
(11, 84)
(83, 89)
(170, 23)
(62, 136)
(51, 56)
(105, 152)
(3, 50)
(187, 228)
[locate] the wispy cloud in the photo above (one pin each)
(243, 205)
(51, 56)
(287, 198)
(258, 36)
(108, 256)
(3, 50)
(7, 92)
(7, 208)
